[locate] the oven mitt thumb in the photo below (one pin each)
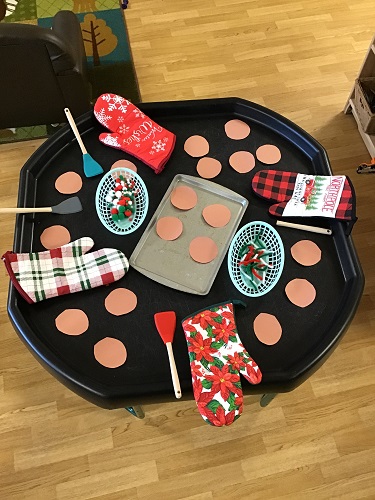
(67, 269)
(302, 195)
(133, 131)
(217, 358)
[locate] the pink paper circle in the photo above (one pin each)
(120, 301)
(268, 154)
(196, 146)
(237, 129)
(306, 252)
(208, 168)
(242, 161)
(267, 328)
(54, 237)
(300, 292)
(110, 352)
(169, 228)
(68, 183)
(203, 249)
(72, 322)
(124, 164)
(216, 215)
(184, 197)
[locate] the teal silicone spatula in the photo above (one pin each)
(166, 325)
(90, 166)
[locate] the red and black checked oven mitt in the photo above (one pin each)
(42, 275)
(133, 131)
(304, 195)
(217, 358)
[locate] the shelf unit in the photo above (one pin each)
(367, 70)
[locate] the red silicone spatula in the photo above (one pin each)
(166, 325)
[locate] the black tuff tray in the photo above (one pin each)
(309, 335)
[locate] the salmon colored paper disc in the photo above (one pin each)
(120, 301)
(267, 328)
(237, 129)
(110, 352)
(124, 164)
(268, 154)
(184, 197)
(68, 183)
(72, 322)
(208, 168)
(203, 249)
(242, 161)
(196, 146)
(216, 215)
(54, 237)
(306, 252)
(300, 292)
(169, 228)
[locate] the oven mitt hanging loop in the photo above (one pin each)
(67, 269)
(133, 131)
(304, 195)
(217, 358)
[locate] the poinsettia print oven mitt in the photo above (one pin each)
(217, 358)
(305, 195)
(133, 131)
(67, 269)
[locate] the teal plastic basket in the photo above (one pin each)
(271, 240)
(103, 208)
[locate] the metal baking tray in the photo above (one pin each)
(169, 262)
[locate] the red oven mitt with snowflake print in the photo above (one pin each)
(133, 131)
(305, 195)
(217, 358)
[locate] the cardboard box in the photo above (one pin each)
(365, 116)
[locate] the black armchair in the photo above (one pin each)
(43, 71)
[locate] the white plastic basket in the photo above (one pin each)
(103, 208)
(271, 240)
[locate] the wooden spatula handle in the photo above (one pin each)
(172, 364)
(24, 210)
(73, 125)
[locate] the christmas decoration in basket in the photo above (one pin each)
(121, 201)
(256, 259)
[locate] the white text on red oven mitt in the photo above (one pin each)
(133, 131)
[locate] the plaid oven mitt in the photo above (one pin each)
(217, 358)
(133, 131)
(42, 275)
(303, 195)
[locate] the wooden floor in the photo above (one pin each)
(299, 58)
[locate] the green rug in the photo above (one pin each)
(110, 64)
